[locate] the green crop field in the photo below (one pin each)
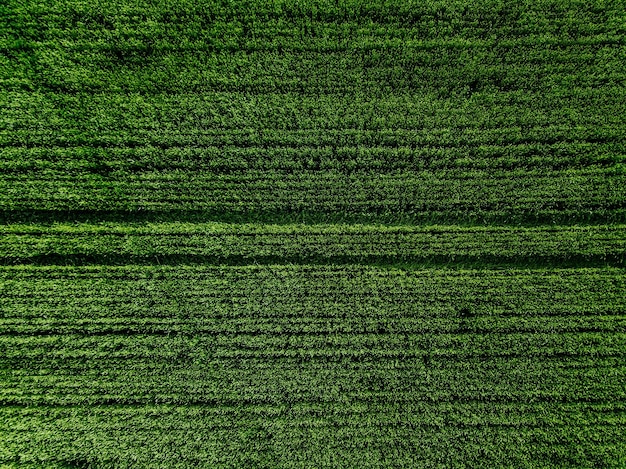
(312, 234)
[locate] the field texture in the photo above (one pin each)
(312, 234)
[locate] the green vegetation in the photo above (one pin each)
(312, 233)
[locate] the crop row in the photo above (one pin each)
(356, 443)
(65, 20)
(490, 79)
(461, 69)
(292, 136)
(241, 388)
(496, 118)
(363, 158)
(419, 414)
(303, 327)
(242, 63)
(214, 380)
(302, 243)
(415, 366)
(348, 295)
(515, 196)
(331, 346)
(444, 80)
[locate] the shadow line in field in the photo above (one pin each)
(407, 262)
(456, 216)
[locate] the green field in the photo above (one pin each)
(312, 234)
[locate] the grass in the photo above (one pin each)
(324, 233)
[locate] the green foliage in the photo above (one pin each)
(312, 233)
